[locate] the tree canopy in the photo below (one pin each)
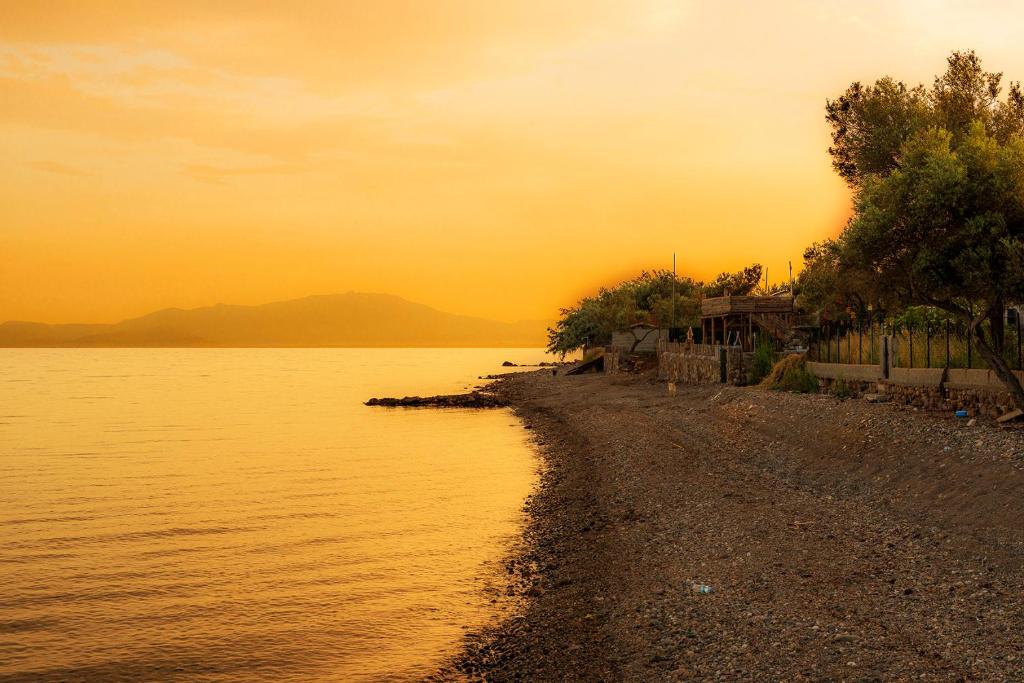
(938, 216)
(647, 298)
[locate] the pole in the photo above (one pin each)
(673, 294)
(791, 278)
(860, 343)
(910, 333)
(871, 335)
(928, 343)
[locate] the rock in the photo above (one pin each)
(508, 364)
(876, 398)
(474, 399)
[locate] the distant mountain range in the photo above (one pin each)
(344, 320)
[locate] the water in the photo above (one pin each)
(239, 515)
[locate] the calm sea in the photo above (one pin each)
(239, 515)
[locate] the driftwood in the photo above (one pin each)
(474, 399)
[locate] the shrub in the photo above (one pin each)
(764, 359)
(791, 374)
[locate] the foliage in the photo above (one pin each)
(647, 298)
(938, 220)
(764, 358)
(740, 283)
(791, 374)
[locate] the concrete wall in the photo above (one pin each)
(979, 392)
(850, 373)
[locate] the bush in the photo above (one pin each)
(791, 374)
(764, 360)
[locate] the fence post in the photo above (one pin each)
(723, 374)
(860, 342)
(928, 344)
(885, 357)
(849, 338)
(871, 333)
(910, 334)
(947, 342)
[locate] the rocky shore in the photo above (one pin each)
(474, 399)
(841, 541)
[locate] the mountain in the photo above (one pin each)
(346, 320)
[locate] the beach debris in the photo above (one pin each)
(876, 398)
(701, 588)
(960, 413)
(973, 421)
(1010, 416)
(474, 399)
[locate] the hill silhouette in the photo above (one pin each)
(344, 320)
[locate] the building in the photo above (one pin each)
(736, 320)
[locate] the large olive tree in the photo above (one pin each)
(938, 179)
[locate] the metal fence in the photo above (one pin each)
(931, 344)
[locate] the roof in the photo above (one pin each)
(728, 305)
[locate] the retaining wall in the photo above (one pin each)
(703, 365)
(979, 392)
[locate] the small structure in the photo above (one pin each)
(639, 338)
(733, 320)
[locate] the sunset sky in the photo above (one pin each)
(483, 157)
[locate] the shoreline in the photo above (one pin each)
(842, 540)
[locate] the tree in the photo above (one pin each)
(658, 298)
(829, 285)
(740, 283)
(870, 124)
(942, 223)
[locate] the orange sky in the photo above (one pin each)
(483, 157)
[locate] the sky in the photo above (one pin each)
(488, 158)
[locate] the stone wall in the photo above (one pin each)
(697, 364)
(611, 360)
(686, 368)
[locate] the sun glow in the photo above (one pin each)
(493, 159)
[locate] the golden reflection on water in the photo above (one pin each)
(238, 514)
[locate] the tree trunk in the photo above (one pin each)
(637, 340)
(998, 365)
(995, 319)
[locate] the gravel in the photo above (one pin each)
(842, 540)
